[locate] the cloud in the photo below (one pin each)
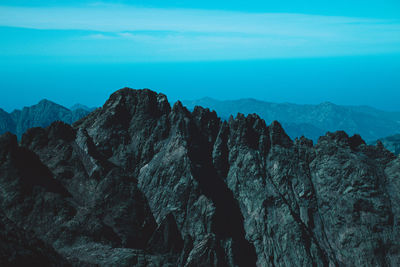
(211, 33)
(117, 18)
(99, 36)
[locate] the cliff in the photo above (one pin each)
(140, 183)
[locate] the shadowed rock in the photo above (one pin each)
(138, 183)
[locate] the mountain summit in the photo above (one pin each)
(140, 183)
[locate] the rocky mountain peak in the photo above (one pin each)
(392, 143)
(138, 183)
(132, 101)
(179, 108)
(278, 135)
(355, 141)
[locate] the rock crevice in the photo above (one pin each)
(140, 183)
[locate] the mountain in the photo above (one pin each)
(80, 106)
(311, 121)
(140, 183)
(7, 124)
(392, 143)
(39, 115)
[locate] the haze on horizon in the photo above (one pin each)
(81, 51)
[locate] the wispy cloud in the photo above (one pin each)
(114, 18)
(98, 36)
(234, 34)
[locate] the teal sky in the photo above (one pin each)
(355, 8)
(345, 52)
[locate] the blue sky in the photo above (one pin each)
(346, 38)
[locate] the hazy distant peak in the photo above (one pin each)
(45, 101)
(252, 100)
(81, 106)
(391, 142)
(41, 114)
(208, 98)
(204, 100)
(327, 103)
(311, 120)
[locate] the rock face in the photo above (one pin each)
(7, 124)
(311, 121)
(39, 115)
(21, 248)
(140, 183)
(392, 143)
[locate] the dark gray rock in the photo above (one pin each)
(22, 248)
(138, 183)
(167, 237)
(392, 143)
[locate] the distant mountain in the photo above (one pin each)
(7, 124)
(139, 182)
(311, 121)
(39, 115)
(80, 106)
(392, 143)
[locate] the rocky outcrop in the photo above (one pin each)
(392, 143)
(140, 183)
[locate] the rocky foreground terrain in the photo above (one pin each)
(140, 183)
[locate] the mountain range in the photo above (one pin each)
(138, 182)
(311, 121)
(39, 115)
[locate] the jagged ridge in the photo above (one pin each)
(138, 183)
(312, 121)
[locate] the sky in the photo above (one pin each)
(346, 52)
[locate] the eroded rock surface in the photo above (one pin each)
(140, 183)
